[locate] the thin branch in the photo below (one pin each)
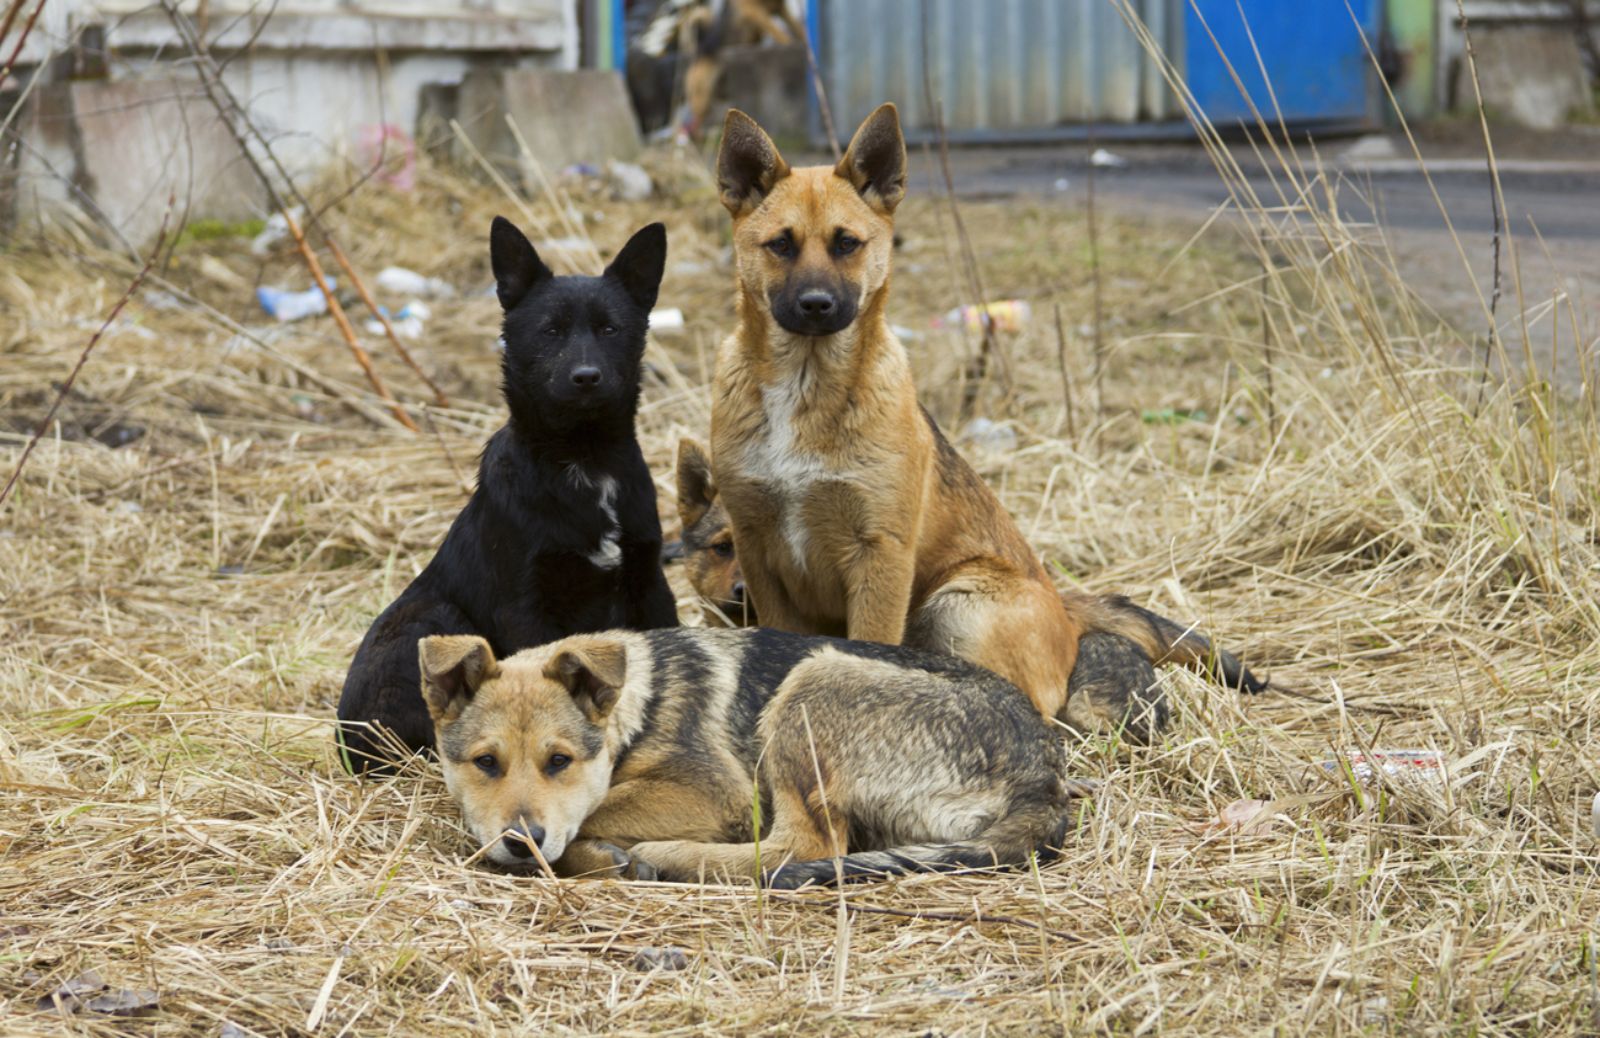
(823, 109)
(83, 358)
(16, 52)
(989, 346)
(1066, 378)
(343, 322)
(1496, 208)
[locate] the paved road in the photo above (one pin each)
(1561, 198)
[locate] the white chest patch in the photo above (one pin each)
(788, 469)
(609, 554)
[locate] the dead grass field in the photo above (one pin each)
(176, 614)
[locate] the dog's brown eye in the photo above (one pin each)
(845, 244)
(723, 549)
(608, 330)
(549, 331)
(558, 761)
(487, 764)
(782, 245)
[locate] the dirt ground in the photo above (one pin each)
(1299, 462)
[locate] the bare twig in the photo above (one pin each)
(1066, 377)
(244, 132)
(388, 329)
(1095, 281)
(27, 27)
(343, 322)
(989, 345)
(1496, 208)
(83, 358)
(823, 109)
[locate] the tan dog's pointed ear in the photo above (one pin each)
(748, 164)
(696, 491)
(875, 162)
(453, 667)
(593, 671)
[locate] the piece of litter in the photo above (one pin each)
(629, 182)
(1062, 183)
(462, 905)
(669, 958)
(276, 230)
(401, 281)
(1417, 766)
(667, 320)
(1106, 160)
(989, 436)
(1006, 315)
(1172, 416)
(285, 305)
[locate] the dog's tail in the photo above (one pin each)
(1040, 829)
(1164, 640)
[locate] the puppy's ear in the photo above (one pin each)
(748, 164)
(695, 489)
(640, 263)
(876, 160)
(517, 268)
(593, 671)
(453, 667)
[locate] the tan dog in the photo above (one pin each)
(851, 513)
(642, 753)
(708, 555)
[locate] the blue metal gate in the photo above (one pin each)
(1311, 50)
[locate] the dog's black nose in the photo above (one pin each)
(738, 592)
(816, 303)
(521, 839)
(586, 377)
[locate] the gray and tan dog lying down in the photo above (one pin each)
(637, 754)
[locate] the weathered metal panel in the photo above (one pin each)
(1313, 56)
(1000, 65)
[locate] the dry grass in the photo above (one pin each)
(177, 614)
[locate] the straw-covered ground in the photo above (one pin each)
(1290, 452)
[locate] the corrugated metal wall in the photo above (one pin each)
(998, 65)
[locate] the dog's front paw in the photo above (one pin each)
(629, 865)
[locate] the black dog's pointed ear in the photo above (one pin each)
(517, 268)
(640, 263)
(695, 489)
(876, 159)
(593, 671)
(748, 164)
(453, 667)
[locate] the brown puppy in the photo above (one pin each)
(851, 513)
(708, 555)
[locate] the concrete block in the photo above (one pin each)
(1532, 73)
(567, 117)
(119, 150)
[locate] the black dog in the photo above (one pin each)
(562, 536)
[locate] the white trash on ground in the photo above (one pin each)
(666, 320)
(403, 282)
(286, 305)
